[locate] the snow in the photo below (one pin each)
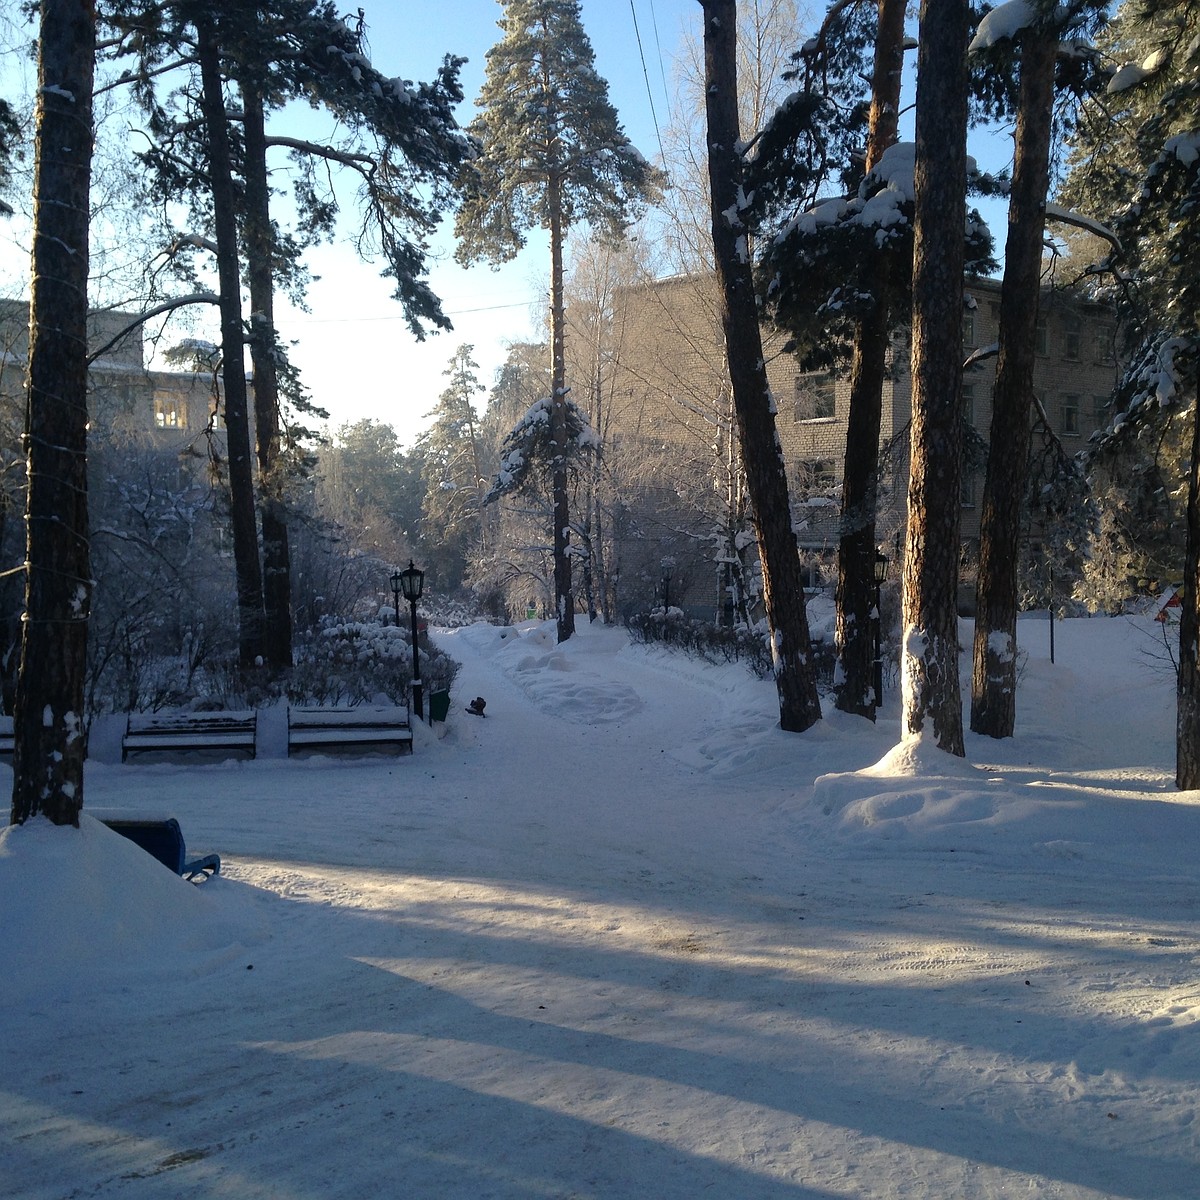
(1056, 212)
(621, 938)
(1004, 21)
(1184, 146)
(1130, 74)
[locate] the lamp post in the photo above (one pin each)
(881, 569)
(667, 564)
(410, 582)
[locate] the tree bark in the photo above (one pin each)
(260, 260)
(860, 480)
(994, 666)
(1187, 719)
(564, 601)
(930, 617)
(233, 357)
(49, 718)
(783, 584)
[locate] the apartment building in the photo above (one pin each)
(169, 410)
(671, 406)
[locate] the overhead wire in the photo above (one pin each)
(646, 74)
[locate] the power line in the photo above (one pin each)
(646, 75)
(662, 71)
(455, 312)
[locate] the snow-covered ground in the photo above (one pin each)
(623, 938)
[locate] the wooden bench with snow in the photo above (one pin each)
(7, 736)
(357, 728)
(228, 734)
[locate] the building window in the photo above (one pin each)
(968, 404)
(168, 412)
(1070, 416)
(966, 489)
(1042, 337)
(1103, 346)
(1100, 407)
(968, 329)
(815, 477)
(1071, 339)
(814, 398)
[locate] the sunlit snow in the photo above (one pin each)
(623, 938)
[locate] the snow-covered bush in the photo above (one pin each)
(712, 643)
(351, 662)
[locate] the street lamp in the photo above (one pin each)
(410, 581)
(667, 564)
(881, 570)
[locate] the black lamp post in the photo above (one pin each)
(667, 564)
(881, 570)
(410, 581)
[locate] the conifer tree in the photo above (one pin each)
(783, 584)
(452, 457)
(1032, 46)
(554, 154)
(399, 140)
(1138, 168)
(49, 719)
(838, 269)
(929, 666)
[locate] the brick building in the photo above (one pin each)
(167, 409)
(671, 410)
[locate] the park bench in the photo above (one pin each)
(232, 734)
(358, 728)
(7, 736)
(163, 838)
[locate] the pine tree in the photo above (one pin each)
(783, 584)
(9, 133)
(838, 269)
(399, 140)
(1151, 152)
(553, 154)
(451, 451)
(872, 337)
(49, 718)
(1036, 45)
(929, 665)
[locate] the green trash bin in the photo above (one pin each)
(439, 705)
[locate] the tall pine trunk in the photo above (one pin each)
(783, 583)
(564, 601)
(994, 665)
(260, 259)
(233, 356)
(1187, 719)
(930, 617)
(49, 719)
(860, 480)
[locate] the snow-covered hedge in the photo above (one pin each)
(351, 662)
